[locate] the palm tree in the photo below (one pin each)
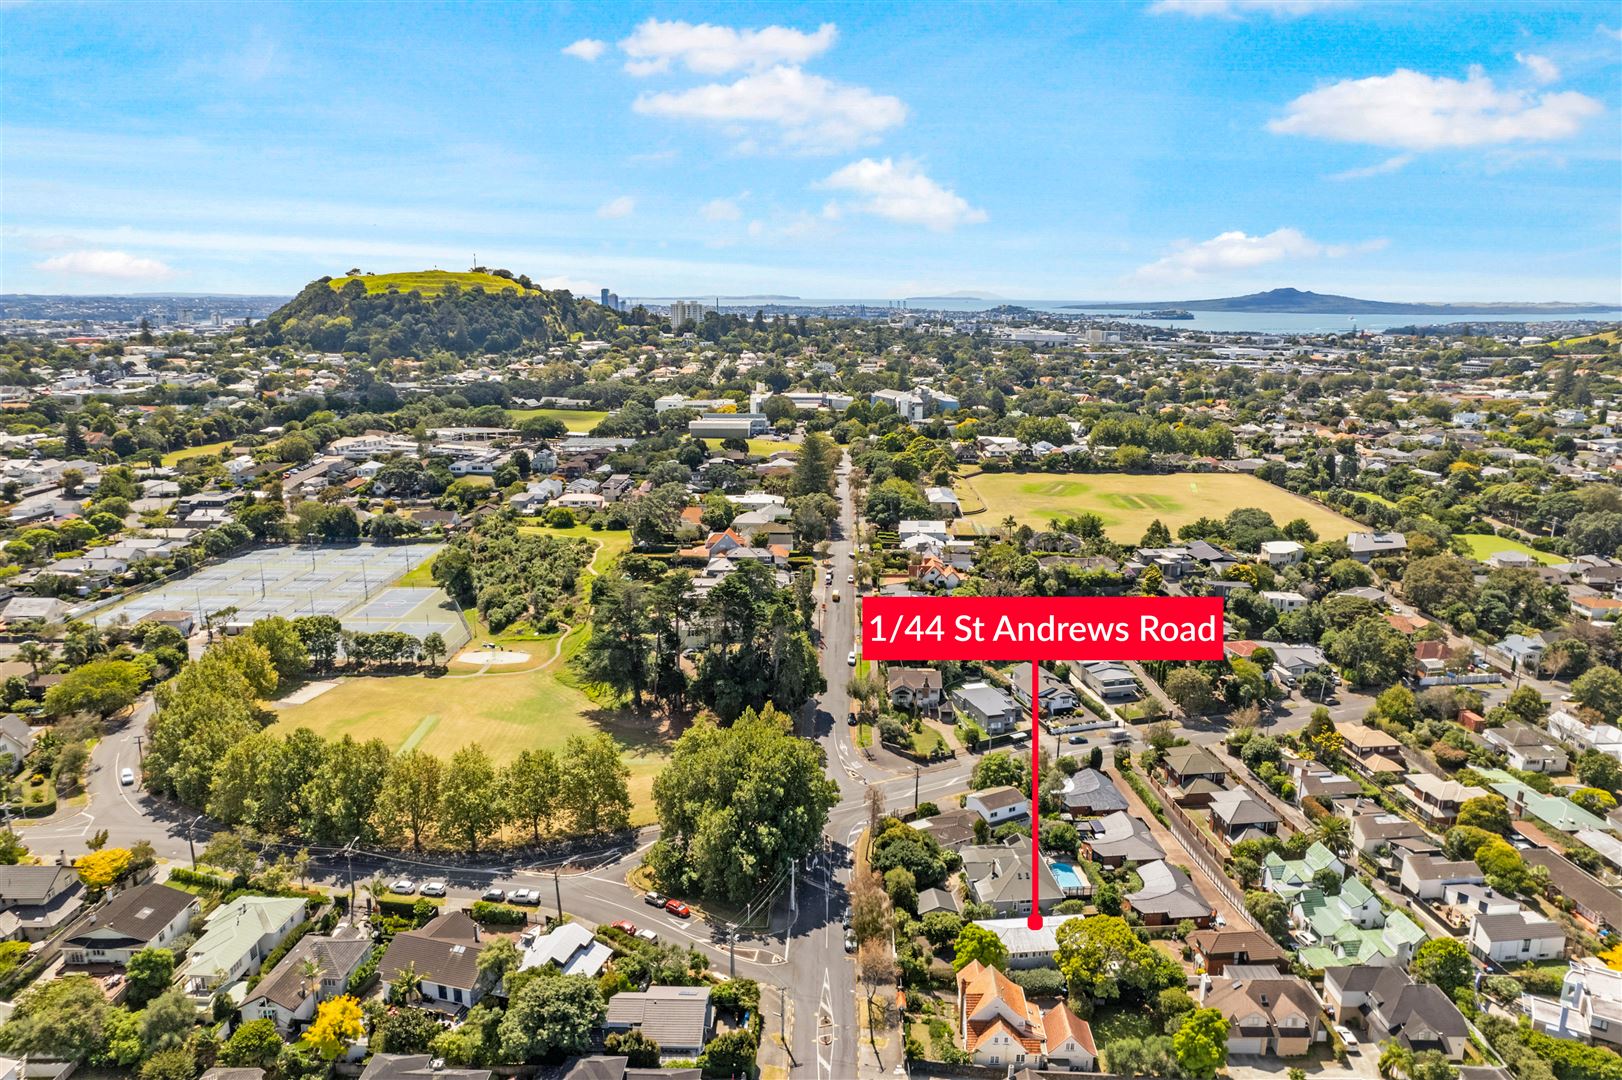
(407, 986)
(1395, 1060)
(309, 971)
(376, 890)
(1336, 834)
(35, 654)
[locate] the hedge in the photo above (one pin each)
(484, 911)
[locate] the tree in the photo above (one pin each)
(1594, 800)
(550, 1014)
(100, 870)
(1190, 688)
(337, 1024)
(1600, 688)
(617, 653)
(433, 647)
(1156, 535)
(1600, 770)
(869, 907)
(498, 959)
(321, 635)
(1434, 1065)
(876, 968)
(1444, 962)
(1104, 959)
(1373, 652)
(65, 1019)
(531, 786)
(254, 1044)
(731, 1053)
(470, 803)
(149, 973)
(404, 1030)
(167, 1020)
(102, 687)
(281, 641)
(409, 801)
(1201, 1043)
(593, 788)
(1489, 812)
(738, 805)
(1437, 582)
(1271, 913)
(975, 942)
(173, 1063)
(639, 1050)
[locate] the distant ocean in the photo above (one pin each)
(1221, 322)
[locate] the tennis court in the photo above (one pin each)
(351, 582)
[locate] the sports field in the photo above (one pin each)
(576, 420)
(429, 282)
(1484, 545)
(206, 450)
(1128, 502)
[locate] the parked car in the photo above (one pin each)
(851, 659)
(653, 899)
(678, 909)
(853, 718)
(494, 894)
(625, 926)
(647, 935)
(1077, 740)
(1346, 1036)
(126, 777)
(435, 887)
(850, 940)
(530, 897)
(405, 887)
(850, 579)
(836, 596)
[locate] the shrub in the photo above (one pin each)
(483, 911)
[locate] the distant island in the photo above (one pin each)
(1286, 301)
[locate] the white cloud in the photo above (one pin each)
(1389, 165)
(587, 49)
(1542, 68)
(715, 50)
(1233, 9)
(1236, 250)
(617, 208)
(808, 113)
(897, 190)
(721, 210)
(1412, 111)
(106, 264)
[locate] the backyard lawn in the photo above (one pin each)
(576, 420)
(1484, 545)
(1128, 502)
(764, 448)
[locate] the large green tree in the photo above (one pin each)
(738, 805)
(550, 1014)
(593, 784)
(470, 804)
(409, 802)
(1102, 958)
(1201, 1043)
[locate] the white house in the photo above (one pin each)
(238, 937)
(1281, 552)
(145, 916)
(289, 997)
(998, 804)
(1516, 938)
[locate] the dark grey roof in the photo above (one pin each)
(614, 1068)
(416, 1067)
(445, 951)
(672, 1016)
(27, 885)
(1120, 835)
(1092, 791)
(338, 957)
(136, 915)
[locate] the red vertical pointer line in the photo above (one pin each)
(1034, 920)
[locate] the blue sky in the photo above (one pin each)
(1134, 150)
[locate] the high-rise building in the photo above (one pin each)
(605, 298)
(685, 311)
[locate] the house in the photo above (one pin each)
(33, 609)
(944, 501)
(607, 1067)
(932, 571)
(1437, 801)
(1119, 838)
(1054, 694)
(1168, 897)
(678, 1018)
(1316, 781)
(1428, 877)
(1090, 793)
(1606, 738)
(147, 916)
(1528, 749)
(998, 804)
(1000, 875)
(999, 1028)
(1109, 680)
(1589, 1007)
(1269, 1013)
(1236, 812)
(289, 997)
(1388, 1005)
(1517, 938)
(571, 948)
(1216, 950)
(1597, 608)
(1592, 900)
(1519, 652)
(1028, 948)
(1370, 751)
(444, 955)
(236, 939)
(16, 739)
(729, 426)
(36, 900)
(1376, 830)
(1283, 600)
(1289, 876)
(913, 687)
(1551, 810)
(987, 706)
(1352, 928)
(1281, 552)
(1184, 764)
(1367, 546)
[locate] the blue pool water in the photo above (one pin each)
(1067, 877)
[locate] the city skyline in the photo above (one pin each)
(1115, 151)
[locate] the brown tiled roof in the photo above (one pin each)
(1059, 1024)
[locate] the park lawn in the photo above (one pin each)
(1484, 545)
(764, 448)
(611, 543)
(429, 282)
(1129, 502)
(420, 576)
(205, 450)
(576, 420)
(505, 711)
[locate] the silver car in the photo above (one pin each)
(436, 887)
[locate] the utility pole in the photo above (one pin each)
(349, 857)
(915, 786)
(138, 755)
(732, 952)
(793, 895)
(191, 828)
(557, 891)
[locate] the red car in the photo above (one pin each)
(626, 925)
(678, 909)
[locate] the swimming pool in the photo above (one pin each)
(1069, 878)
